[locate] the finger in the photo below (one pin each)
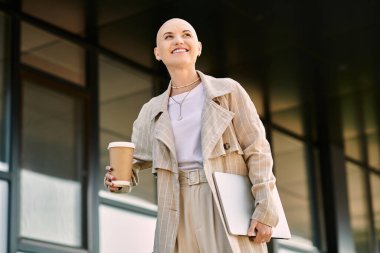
(113, 189)
(109, 168)
(252, 228)
(110, 177)
(258, 240)
(260, 236)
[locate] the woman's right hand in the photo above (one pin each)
(108, 178)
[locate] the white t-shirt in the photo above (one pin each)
(187, 131)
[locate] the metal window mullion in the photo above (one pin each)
(29, 245)
(91, 228)
(14, 119)
(313, 177)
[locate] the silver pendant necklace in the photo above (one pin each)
(180, 105)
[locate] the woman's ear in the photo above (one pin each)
(155, 51)
(199, 48)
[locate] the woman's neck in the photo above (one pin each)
(182, 77)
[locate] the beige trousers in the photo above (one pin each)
(200, 228)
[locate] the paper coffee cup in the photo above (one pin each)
(121, 156)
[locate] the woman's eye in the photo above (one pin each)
(168, 37)
(187, 34)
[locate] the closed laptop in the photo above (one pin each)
(238, 205)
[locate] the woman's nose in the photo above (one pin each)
(178, 40)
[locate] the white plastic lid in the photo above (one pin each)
(123, 144)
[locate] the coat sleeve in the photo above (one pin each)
(141, 137)
(257, 155)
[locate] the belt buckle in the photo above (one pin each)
(193, 177)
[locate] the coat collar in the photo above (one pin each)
(212, 86)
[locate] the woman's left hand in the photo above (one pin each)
(263, 232)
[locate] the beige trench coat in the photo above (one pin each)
(233, 140)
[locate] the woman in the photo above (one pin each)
(199, 125)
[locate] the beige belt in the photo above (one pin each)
(192, 177)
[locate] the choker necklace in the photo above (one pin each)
(180, 104)
(184, 86)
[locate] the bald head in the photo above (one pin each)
(173, 24)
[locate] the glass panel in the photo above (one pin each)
(372, 129)
(117, 28)
(251, 83)
(293, 186)
(68, 14)
(3, 65)
(285, 102)
(123, 91)
(350, 127)
(373, 140)
(3, 216)
(50, 53)
(375, 187)
(51, 192)
(137, 231)
(358, 207)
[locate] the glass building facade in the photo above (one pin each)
(74, 75)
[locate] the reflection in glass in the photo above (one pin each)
(50, 53)
(129, 29)
(3, 216)
(285, 103)
(358, 207)
(68, 14)
(350, 127)
(51, 165)
(251, 84)
(123, 91)
(3, 63)
(372, 129)
(292, 178)
(125, 231)
(373, 141)
(375, 190)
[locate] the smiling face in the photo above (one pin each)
(177, 44)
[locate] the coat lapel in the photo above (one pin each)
(163, 128)
(215, 118)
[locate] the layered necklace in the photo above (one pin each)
(184, 86)
(183, 100)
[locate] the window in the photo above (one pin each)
(358, 207)
(123, 91)
(3, 70)
(375, 187)
(125, 231)
(51, 195)
(285, 97)
(292, 182)
(50, 53)
(3, 216)
(68, 14)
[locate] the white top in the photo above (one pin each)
(187, 131)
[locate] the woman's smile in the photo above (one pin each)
(180, 50)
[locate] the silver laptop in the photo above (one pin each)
(238, 204)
